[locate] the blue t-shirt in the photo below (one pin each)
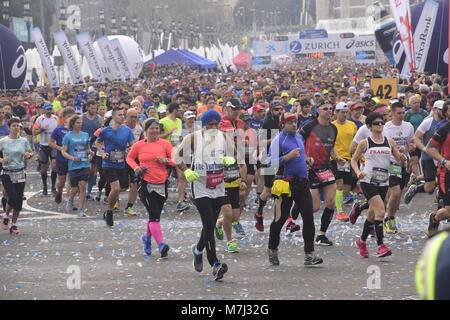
(115, 143)
(78, 147)
(288, 108)
(58, 135)
(359, 124)
(285, 143)
(303, 120)
(256, 124)
(440, 124)
(4, 130)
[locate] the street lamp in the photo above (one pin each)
(135, 27)
(102, 21)
(113, 25)
(28, 19)
(124, 27)
(62, 16)
(5, 13)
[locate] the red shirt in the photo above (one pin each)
(146, 153)
(227, 125)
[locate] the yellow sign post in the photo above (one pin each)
(384, 89)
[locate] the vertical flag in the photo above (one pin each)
(401, 12)
(87, 48)
(121, 59)
(69, 58)
(110, 58)
(45, 57)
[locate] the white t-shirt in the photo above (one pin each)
(51, 124)
(401, 134)
(425, 126)
(363, 133)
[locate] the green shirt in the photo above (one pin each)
(169, 124)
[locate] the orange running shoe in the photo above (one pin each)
(342, 217)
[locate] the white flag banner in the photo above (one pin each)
(45, 57)
(86, 46)
(401, 12)
(121, 59)
(110, 58)
(69, 58)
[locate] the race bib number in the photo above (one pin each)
(379, 176)
(345, 167)
(214, 178)
(395, 170)
(16, 176)
(231, 173)
(82, 155)
(325, 175)
(117, 156)
(158, 188)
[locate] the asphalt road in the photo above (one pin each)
(54, 247)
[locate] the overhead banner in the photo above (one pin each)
(69, 58)
(121, 59)
(430, 25)
(401, 12)
(86, 46)
(333, 43)
(45, 57)
(110, 58)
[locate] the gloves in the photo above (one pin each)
(228, 161)
(191, 175)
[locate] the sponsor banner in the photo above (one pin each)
(401, 12)
(334, 43)
(45, 57)
(385, 89)
(13, 61)
(365, 57)
(86, 46)
(259, 63)
(313, 34)
(121, 59)
(110, 58)
(69, 58)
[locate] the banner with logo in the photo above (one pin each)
(13, 62)
(401, 12)
(69, 58)
(86, 46)
(333, 43)
(121, 59)
(45, 57)
(110, 58)
(430, 24)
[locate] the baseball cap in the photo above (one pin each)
(257, 108)
(228, 93)
(317, 94)
(234, 103)
(161, 110)
(48, 106)
(439, 104)
(341, 106)
(188, 115)
(285, 94)
(245, 116)
(366, 85)
(356, 106)
(102, 94)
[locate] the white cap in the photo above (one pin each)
(366, 85)
(91, 89)
(161, 110)
(188, 115)
(439, 104)
(341, 106)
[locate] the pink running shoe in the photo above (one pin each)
(383, 251)
(5, 223)
(362, 248)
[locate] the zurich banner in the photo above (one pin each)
(13, 62)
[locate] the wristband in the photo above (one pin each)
(443, 160)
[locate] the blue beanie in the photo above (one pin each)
(209, 116)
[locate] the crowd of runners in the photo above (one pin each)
(312, 136)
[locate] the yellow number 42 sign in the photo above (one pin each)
(384, 89)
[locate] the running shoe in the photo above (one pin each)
(355, 212)
(81, 214)
(390, 225)
(349, 197)
(54, 192)
(342, 217)
(5, 224)
(322, 240)
(147, 241)
(412, 180)
(218, 231)
(409, 195)
(312, 260)
(116, 206)
(362, 246)
(198, 260)
(58, 198)
(232, 246)
(109, 219)
(98, 197)
(14, 230)
(433, 226)
(292, 227)
(238, 229)
(182, 206)
(45, 191)
(163, 249)
(259, 224)
(219, 269)
(89, 197)
(129, 212)
(383, 251)
(273, 257)
(69, 205)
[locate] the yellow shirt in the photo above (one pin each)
(169, 124)
(345, 135)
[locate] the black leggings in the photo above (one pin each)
(14, 192)
(302, 196)
(153, 202)
(209, 210)
(102, 183)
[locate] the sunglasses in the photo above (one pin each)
(326, 109)
(378, 123)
